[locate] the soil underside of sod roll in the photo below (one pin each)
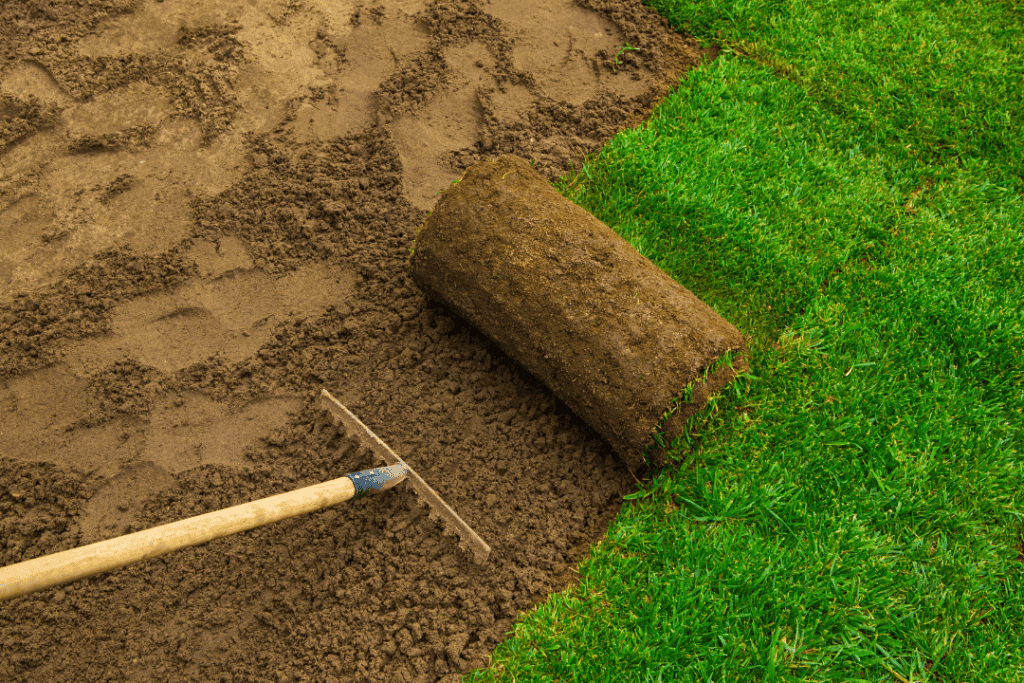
(614, 337)
(206, 211)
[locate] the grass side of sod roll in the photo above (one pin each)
(844, 183)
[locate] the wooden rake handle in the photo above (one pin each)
(52, 570)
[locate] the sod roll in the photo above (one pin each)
(619, 341)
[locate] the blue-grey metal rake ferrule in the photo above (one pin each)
(379, 479)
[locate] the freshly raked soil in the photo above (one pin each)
(206, 214)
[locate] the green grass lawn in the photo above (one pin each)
(845, 185)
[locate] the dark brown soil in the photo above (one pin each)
(206, 211)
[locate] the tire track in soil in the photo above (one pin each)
(279, 140)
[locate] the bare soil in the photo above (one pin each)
(206, 214)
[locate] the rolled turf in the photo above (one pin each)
(626, 347)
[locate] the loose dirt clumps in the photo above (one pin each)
(206, 211)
